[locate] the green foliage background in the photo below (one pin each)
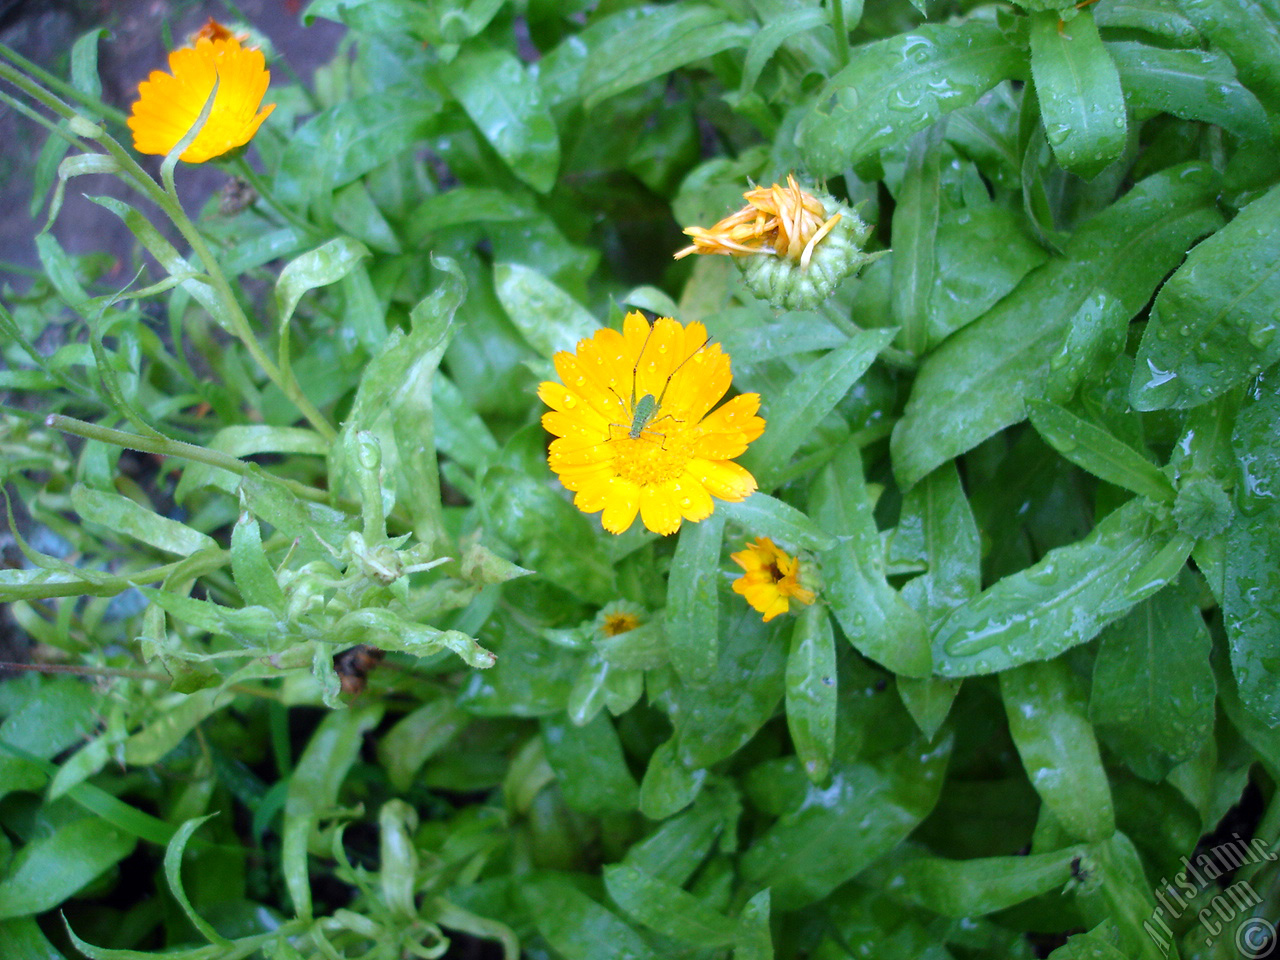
(1031, 454)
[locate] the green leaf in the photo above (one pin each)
(22, 939)
(84, 63)
(668, 786)
(693, 600)
(1065, 599)
(936, 524)
(982, 254)
(1192, 84)
(915, 240)
(762, 515)
(1067, 316)
(589, 764)
(575, 926)
(1078, 87)
(898, 86)
(1153, 688)
(1049, 723)
(326, 264)
(348, 140)
(871, 613)
(180, 714)
(840, 830)
(504, 103)
(1248, 32)
(417, 737)
(254, 576)
(755, 939)
(53, 868)
(1251, 601)
(780, 27)
(660, 40)
(173, 874)
(1094, 449)
(245, 440)
(549, 318)
(313, 790)
(1121, 893)
(811, 692)
(793, 414)
(717, 718)
(972, 888)
(668, 909)
(1215, 323)
(130, 519)
(676, 849)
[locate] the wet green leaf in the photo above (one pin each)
(667, 909)
(895, 87)
(326, 264)
(840, 830)
(589, 764)
(129, 518)
(1251, 601)
(915, 238)
(656, 44)
(549, 319)
(1214, 323)
(795, 413)
(576, 926)
(504, 103)
(1094, 449)
(1063, 600)
(811, 691)
(1194, 84)
(53, 868)
(762, 515)
(1079, 91)
(972, 888)
(1049, 721)
(1153, 688)
(1038, 342)
(693, 600)
(668, 786)
(1249, 34)
(874, 617)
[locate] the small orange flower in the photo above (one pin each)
(782, 221)
(169, 104)
(771, 578)
(619, 622)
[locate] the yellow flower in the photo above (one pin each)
(783, 221)
(619, 622)
(168, 105)
(635, 427)
(771, 578)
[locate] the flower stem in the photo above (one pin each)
(841, 32)
(63, 88)
(165, 447)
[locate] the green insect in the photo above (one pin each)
(644, 410)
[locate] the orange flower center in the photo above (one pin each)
(650, 457)
(616, 623)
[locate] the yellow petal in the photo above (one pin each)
(624, 503)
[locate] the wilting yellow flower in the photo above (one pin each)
(792, 247)
(771, 578)
(168, 105)
(777, 220)
(635, 427)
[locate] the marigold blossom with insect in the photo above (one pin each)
(792, 246)
(169, 104)
(635, 428)
(771, 580)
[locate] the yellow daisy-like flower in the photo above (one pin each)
(771, 578)
(783, 221)
(168, 105)
(635, 426)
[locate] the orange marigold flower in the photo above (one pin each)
(169, 104)
(771, 578)
(783, 221)
(635, 429)
(213, 30)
